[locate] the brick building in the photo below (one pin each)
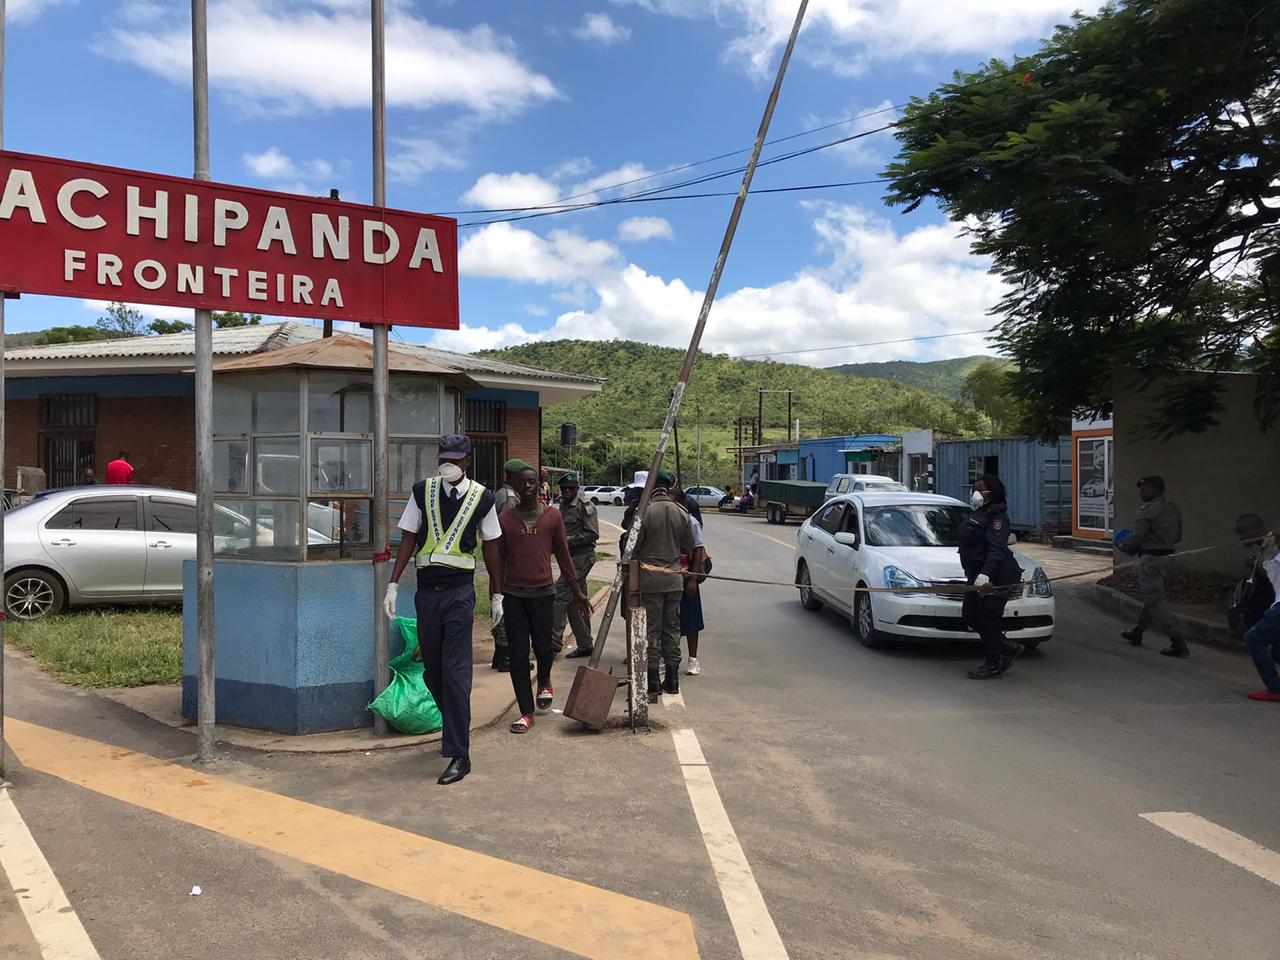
(72, 406)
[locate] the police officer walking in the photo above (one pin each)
(665, 534)
(583, 528)
(989, 564)
(1155, 535)
(443, 521)
(505, 497)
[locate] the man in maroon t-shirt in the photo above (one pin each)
(531, 532)
(119, 470)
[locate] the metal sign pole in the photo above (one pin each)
(206, 712)
(381, 429)
(639, 682)
(3, 607)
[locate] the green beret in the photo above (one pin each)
(666, 477)
(515, 466)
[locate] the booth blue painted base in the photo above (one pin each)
(293, 644)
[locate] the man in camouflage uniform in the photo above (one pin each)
(1157, 531)
(582, 526)
(506, 497)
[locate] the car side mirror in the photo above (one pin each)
(847, 539)
(1013, 538)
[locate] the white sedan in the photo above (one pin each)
(606, 495)
(906, 541)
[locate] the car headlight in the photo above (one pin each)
(1040, 585)
(898, 579)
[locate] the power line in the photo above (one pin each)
(850, 346)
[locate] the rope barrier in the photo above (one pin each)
(932, 588)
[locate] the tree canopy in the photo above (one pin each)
(1125, 181)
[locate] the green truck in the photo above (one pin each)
(781, 499)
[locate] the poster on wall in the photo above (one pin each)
(1094, 484)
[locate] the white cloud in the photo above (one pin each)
(286, 56)
(875, 284)
(19, 10)
(572, 168)
(599, 28)
(866, 149)
(282, 173)
(535, 310)
(846, 36)
(412, 157)
(639, 229)
(511, 253)
(149, 311)
(505, 190)
(601, 182)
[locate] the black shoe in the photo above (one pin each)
(1176, 649)
(578, 653)
(1012, 650)
(497, 657)
(988, 671)
(655, 685)
(1134, 636)
(502, 664)
(672, 683)
(458, 768)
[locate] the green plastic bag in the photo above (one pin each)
(406, 703)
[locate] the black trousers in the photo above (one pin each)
(986, 616)
(528, 620)
(444, 637)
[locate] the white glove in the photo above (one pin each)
(495, 609)
(982, 580)
(389, 601)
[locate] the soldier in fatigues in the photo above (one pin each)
(583, 528)
(505, 497)
(1156, 533)
(665, 534)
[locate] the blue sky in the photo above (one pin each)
(520, 103)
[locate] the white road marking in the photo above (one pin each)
(1221, 842)
(670, 700)
(781, 543)
(54, 924)
(753, 926)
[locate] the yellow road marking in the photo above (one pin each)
(781, 543)
(566, 914)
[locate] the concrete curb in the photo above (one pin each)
(1194, 629)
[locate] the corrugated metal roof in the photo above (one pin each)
(340, 352)
(237, 341)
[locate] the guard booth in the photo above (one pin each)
(293, 571)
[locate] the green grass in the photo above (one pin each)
(105, 648)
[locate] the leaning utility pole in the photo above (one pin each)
(639, 686)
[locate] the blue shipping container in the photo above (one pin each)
(822, 458)
(1037, 475)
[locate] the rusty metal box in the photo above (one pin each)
(591, 697)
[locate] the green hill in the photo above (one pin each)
(640, 377)
(942, 377)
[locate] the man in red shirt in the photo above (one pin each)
(531, 532)
(119, 471)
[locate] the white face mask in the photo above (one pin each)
(976, 500)
(451, 472)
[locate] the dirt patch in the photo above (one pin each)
(1184, 586)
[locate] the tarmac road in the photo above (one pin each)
(888, 808)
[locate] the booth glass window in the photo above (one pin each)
(339, 403)
(340, 465)
(231, 466)
(414, 406)
(258, 529)
(275, 466)
(411, 461)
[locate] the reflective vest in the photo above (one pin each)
(443, 547)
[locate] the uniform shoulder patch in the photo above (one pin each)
(998, 524)
(590, 508)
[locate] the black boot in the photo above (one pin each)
(1176, 648)
(497, 656)
(1134, 636)
(988, 671)
(1012, 650)
(502, 663)
(672, 683)
(655, 685)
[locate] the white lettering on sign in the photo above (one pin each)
(191, 222)
(276, 228)
(66, 201)
(426, 249)
(332, 294)
(324, 235)
(20, 192)
(145, 282)
(226, 274)
(257, 285)
(302, 287)
(72, 263)
(190, 279)
(227, 215)
(109, 269)
(135, 212)
(393, 242)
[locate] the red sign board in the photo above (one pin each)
(79, 230)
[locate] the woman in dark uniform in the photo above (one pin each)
(988, 562)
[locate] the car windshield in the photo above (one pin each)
(884, 485)
(915, 525)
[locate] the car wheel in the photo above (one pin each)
(32, 594)
(807, 599)
(617, 501)
(771, 513)
(864, 623)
